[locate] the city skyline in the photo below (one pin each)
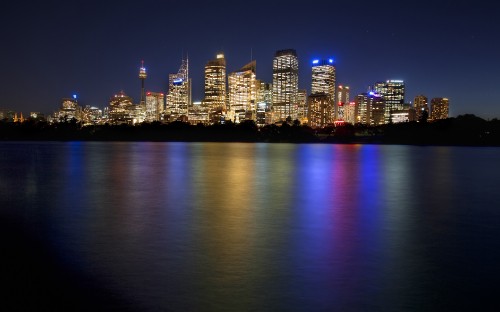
(95, 50)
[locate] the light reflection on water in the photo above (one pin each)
(233, 226)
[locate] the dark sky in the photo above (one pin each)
(53, 49)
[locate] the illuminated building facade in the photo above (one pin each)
(343, 93)
(421, 106)
(69, 109)
(320, 108)
(154, 106)
(264, 103)
(91, 115)
(350, 112)
(323, 77)
(302, 106)
(179, 92)
(393, 92)
(371, 109)
(215, 87)
(242, 93)
(285, 84)
(440, 108)
(120, 107)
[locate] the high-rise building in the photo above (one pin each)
(120, 107)
(393, 92)
(440, 108)
(242, 93)
(323, 83)
(154, 106)
(343, 93)
(264, 103)
(179, 92)
(370, 108)
(320, 108)
(421, 106)
(350, 112)
(302, 105)
(215, 87)
(323, 77)
(285, 84)
(69, 109)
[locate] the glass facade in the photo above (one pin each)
(285, 84)
(242, 93)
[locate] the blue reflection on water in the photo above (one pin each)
(214, 226)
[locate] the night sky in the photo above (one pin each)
(54, 49)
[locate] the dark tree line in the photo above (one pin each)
(463, 130)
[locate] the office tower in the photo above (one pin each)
(242, 93)
(370, 109)
(440, 108)
(120, 107)
(323, 83)
(215, 87)
(264, 103)
(342, 101)
(91, 115)
(154, 106)
(302, 105)
(421, 106)
(350, 112)
(142, 77)
(69, 109)
(285, 85)
(179, 92)
(393, 92)
(323, 77)
(376, 104)
(320, 108)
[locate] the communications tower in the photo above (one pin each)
(142, 76)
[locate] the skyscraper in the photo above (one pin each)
(323, 77)
(319, 111)
(421, 106)
(440, 108)
(154, 106)
(179, 92)
(343, 93)
(393, 92)
(285, 84)
(322, 98)
(215, 87)
(370, 108)
(242, 93)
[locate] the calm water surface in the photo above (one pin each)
(251, 227)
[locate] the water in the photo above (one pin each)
(249, 227)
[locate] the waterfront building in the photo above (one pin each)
(242, 93)
(264, 103)
(440, 108)
(215, 88)
(285, 85)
